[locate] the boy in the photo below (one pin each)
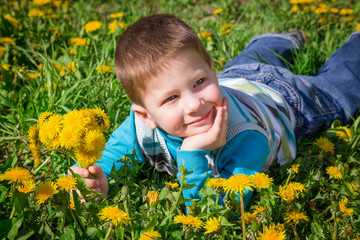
(181, 112)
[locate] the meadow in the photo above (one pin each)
(56, 70)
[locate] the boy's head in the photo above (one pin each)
(146, 45)
(168, 75)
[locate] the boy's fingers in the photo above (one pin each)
(96, 171)
(92, 183)
(81, 171)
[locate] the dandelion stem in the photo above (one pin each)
(295, 233)
(45, 162)
(108, 232)
(335, 227)
(288, 179)
(242, 216)
(12, 212)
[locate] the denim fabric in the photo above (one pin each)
(334, 93)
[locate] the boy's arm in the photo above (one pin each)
(245, 153)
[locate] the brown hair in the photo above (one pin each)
(145, 46)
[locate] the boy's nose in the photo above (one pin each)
(193, 103)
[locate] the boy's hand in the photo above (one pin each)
(215, 137)
(98, 184)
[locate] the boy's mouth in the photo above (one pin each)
(203, 118)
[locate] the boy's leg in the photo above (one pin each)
(266, 48)
(340, 77)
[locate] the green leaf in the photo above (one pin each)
(93, 232)
(177, 235)
(68, 235)
(16, 223)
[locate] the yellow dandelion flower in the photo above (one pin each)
(272, 232)
(238, 183)
(16, 175)
(343, 133)
(334, 172)
(76, 120)
(334, 10)
(295, 216)
(50, 129)
(295, 8)
(357, 28)
(217, 183)
(113, 26)
(78, 41)
(261, 180)
(69, 138)
(11, 19)
(54, 143)
(344, 209)
(60, 69)
(101, 118)
(290, 192)
(189, 221)
(104, 69)
(349, 19)
(35, 13)
(212, 225)
(116, 15)
(27, 187)
(92, 26)
(7, 40)
(221, 60)
(346, 11)
(57, 3)
(44, 191)
(217, 11)
(32, 75)
(5, 66)
(259, 209)
(44, 117)
(66, 183)
(152, 198)
(172, 185)
(226, 27)
(40, 2)
(86, 159)
(249, 218)
(150, 235)
(114, 214)
(325, 145)
(294, 168)
(33, 135)
(94, 141)
(73, 52)
(2, 52)
(35, 151)
(206, 35)
(71, 67)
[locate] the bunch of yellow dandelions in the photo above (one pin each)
(79, 132)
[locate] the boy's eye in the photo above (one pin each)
(170, 98)
(198, 82)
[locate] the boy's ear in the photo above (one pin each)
(144, 116)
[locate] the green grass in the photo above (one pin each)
(45, 40)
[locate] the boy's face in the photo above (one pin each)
(182, 99)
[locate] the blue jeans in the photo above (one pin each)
(334, 93)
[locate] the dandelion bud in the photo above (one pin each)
(152, 198)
